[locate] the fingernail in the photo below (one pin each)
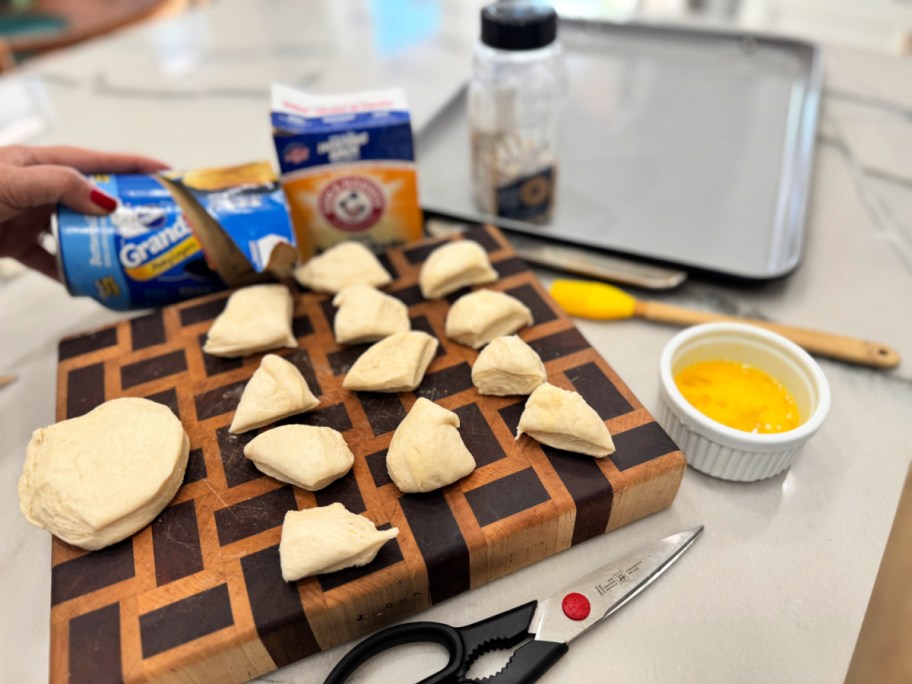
(104, 201)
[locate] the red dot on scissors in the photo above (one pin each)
(576, 606)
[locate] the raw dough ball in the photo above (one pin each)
(275, 391)
(454, 265)
(98, 478)
(348, 263)
(305, 456)
(426, 452)
(255, 319)
(366, 315)
(478, 317)
(394, 364)
(508, 366)
(563, 419)
(326, 539)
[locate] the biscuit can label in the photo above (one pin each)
(142, 255)
(348, 167)
(148, 254)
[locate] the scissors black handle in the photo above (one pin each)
(465, 645)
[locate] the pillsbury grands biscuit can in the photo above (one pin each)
(159, 246)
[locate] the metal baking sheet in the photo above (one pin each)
(688, 147)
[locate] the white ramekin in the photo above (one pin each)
(725, 452)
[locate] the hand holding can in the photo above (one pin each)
(34, 179)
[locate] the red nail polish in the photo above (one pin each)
(104, 201)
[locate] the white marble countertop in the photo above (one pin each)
(777, 587)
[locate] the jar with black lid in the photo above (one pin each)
(516, 97)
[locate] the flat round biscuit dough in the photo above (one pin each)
(96, 479)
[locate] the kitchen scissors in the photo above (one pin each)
(552, 624)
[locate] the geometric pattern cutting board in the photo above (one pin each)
(198, 596)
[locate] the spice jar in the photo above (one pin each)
(516, 96)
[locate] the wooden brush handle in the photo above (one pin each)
(841, 347)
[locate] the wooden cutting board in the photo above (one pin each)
(198, 594)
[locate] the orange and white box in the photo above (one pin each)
(348, 167)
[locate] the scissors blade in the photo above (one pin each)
(563, 617)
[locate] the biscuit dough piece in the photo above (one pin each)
(508, 366)
(478, 317)
(454, 265)
(345, 264)
(255, 319)
(563, 419)
(366, 315)
(426, 452)
(326, 539)
(303, 455)
(394, 364)
(96, 479)
(275, 391)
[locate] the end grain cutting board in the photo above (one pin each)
(198, 594)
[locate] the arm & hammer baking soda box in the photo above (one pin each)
(177, 236)
(348, 167)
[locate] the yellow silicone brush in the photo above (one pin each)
(600, 301)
